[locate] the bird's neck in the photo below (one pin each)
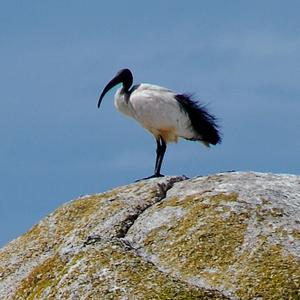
(122, 102)
(125, 93)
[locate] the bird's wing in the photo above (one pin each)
(155, 98)
(156, 107)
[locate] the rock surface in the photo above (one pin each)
(225, 236)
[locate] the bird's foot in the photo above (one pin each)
(153, 176)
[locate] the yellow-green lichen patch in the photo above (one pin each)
(32, 244)
(35, 230)
(79, 211)
(79, 216)
(296, 234)
(194, 199)
(48, 234)
(157, 235)
(201, 240)
(6, 269)
(118, 273)
(223, 197)
(37, 238)
(104, 272)
(5, 272)
(264, 212)
(40, 278)
(265, 201)
(268, 273)
(281, 232)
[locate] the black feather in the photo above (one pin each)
(203, 123)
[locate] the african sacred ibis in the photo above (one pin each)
(166, 114)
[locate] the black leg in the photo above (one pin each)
(158, 146)
(161, 147)
(160, 152)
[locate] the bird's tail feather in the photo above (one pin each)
(202, 122)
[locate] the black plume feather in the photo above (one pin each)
(203, 123)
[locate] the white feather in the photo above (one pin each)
(157, 110)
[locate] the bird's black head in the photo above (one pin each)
(123, 76)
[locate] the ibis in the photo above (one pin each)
(167, 115)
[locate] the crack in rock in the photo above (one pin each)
(127, 223)
(161, 194)
(162, 189)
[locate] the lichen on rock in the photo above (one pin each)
(230, 235)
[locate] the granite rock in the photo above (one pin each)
(225, 236)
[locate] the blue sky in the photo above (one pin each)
(241, 58)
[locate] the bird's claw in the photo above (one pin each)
(150, 177)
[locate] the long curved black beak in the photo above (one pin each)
(115, 81)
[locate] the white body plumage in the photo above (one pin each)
(157, 110)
